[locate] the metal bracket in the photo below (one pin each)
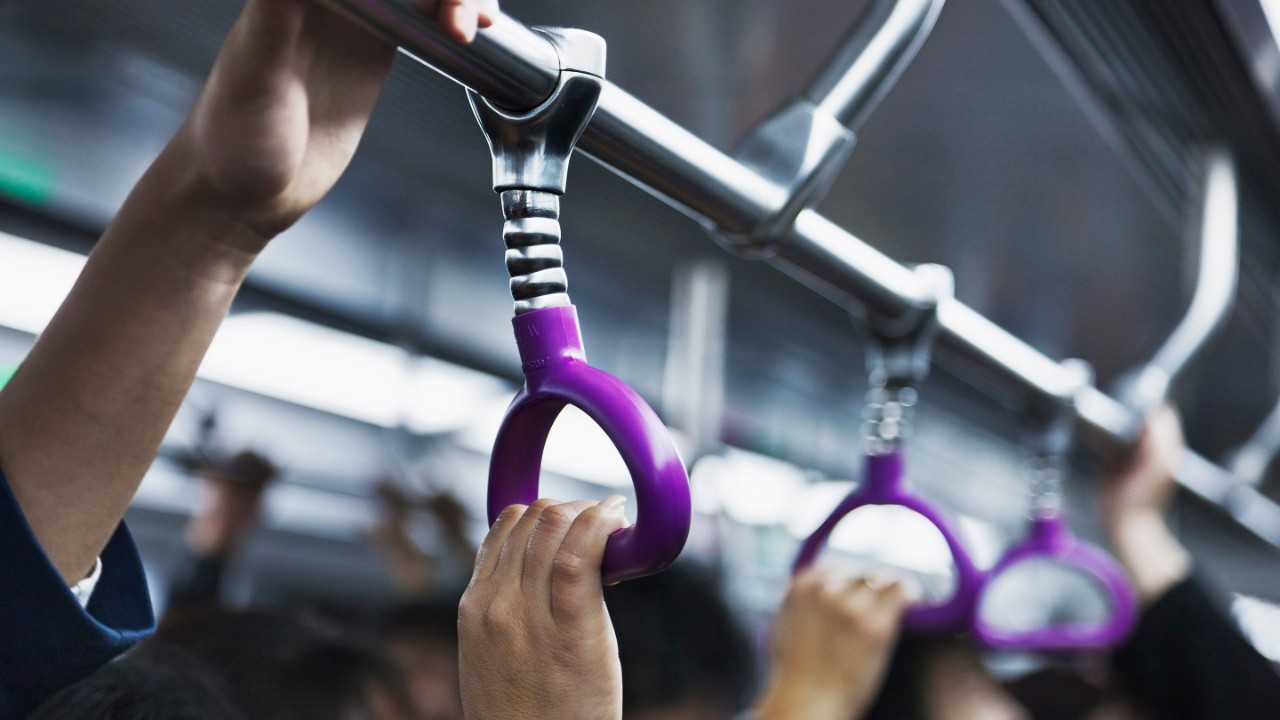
(900, 349)
(802, 149)
(531, 149)
(531, 152)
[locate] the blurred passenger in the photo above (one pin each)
(421, 631)
(422, 638)
(274, 128)
(683, 656)
(415, 573)
(229, 512)
(1186, 660)
(151, 682)
(250, 664)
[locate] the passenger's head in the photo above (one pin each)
(422, 638)
(153, 682)
(280, 667)
(941, 678)
(683, 657)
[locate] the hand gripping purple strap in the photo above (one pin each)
(1050, 539)
(557, 374)
(883, 485)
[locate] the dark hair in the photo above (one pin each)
(434, 619)
(901, 694)
(280, 667)
(153, 682)
(678, 641)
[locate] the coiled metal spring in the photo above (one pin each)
(534, 258)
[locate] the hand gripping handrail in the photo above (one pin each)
(531, 153)
(898, 361)
(1049, 537)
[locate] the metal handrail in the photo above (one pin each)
(514, 67)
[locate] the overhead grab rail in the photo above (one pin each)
(512, 66)
(1216, 279)
(803, 146)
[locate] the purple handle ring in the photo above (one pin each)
(1050, 539)
(882, 485)
(557, 374)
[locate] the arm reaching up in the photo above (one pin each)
(275, 126)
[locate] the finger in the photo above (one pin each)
(491, 548)
(510, 565)
(459, 18)
(489, 12)
(897, 595)
(575, 568)
(544, 542)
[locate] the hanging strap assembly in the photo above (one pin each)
(1049, 538)
(531, 152)
(898, 358)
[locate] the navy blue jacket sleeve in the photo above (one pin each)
(47, 640)
(1187, 661)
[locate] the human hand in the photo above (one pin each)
(286, 105)
(831, 645)
(232, 504)
(1134, 502)
(535, 639)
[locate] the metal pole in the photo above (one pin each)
(515, 67)
(726, 197)
(866, 67)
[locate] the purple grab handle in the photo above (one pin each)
(557, 374)
(1050, 539)
(882, 485)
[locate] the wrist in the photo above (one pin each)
(1153, 557)
(785, 699)
(213, 240)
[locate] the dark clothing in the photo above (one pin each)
(1187, 660)
(47, 640)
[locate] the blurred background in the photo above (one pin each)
(1042, 149)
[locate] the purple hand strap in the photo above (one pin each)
(883, 485)
(1051, 539)
(557, 374)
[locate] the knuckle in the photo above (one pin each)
(557, 517)
(569, 565)
(511, 513)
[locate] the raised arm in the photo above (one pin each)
(1135, 501)
(275, 126)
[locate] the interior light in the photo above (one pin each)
(34, 279)
(276, 355)
(311, 365)
(576, 448)
(442, 396)
(1259, 620)
(759, 490)
(26, 179)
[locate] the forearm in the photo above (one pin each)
(82, 419)
(783, 700)
(1152, 555)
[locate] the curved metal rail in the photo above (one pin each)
(514, 67)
